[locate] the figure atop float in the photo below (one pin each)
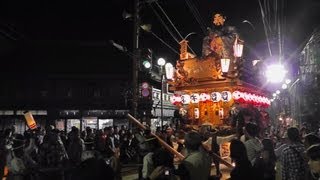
(219, 38)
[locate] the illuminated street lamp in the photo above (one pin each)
(161, 62)
(275, 73)
(288, 81)
(284, 86)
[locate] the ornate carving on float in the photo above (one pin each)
(203, 75)
(191, 71)
(182, 77)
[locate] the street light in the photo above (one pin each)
(288, 81)
(161, 62)
(275, 73)
(169, 74)
(284, 86)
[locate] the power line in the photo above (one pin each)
(172, 24)
(196, 15)
(163, 23)
(164, 43)
(165, 14)
(265, 27)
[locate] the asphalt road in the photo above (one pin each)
(131, 173)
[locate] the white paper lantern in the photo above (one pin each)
(255, 98)
(185, 99)
(175, 99)
(250, 97)
(225, 63)
(204, 97)
(195, 98)
(215, 96)
(236, 95)
(237, 48)
(245, 96)
(268, 102)
(226, 96)
(169, 70)
(264, 100)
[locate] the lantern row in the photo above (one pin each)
(224, 96)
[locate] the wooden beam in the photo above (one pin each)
(169, 148)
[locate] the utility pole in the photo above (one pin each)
(136, 56)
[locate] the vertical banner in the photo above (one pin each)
(196, 113)
(30, 120)
(221, 113)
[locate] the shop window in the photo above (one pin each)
(71, 123)
(90, 122)
(105, 123)
(6, 112)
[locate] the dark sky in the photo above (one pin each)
(72, 36)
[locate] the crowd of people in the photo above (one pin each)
(50, 153)
(286, 153)
(282, 153)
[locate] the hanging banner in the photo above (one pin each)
(30, 120)
(221, 113)
(196, 113)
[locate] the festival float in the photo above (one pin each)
(208, 89)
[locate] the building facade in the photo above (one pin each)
(304, 92)
(82, 101)
(65, 100)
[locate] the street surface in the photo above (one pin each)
(131, 173)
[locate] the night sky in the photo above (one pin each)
(73, 37)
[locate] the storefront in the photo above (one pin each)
(95, 119)
(168, 109)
